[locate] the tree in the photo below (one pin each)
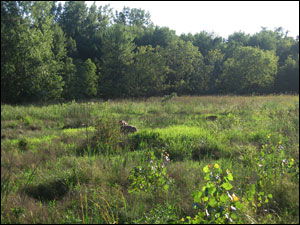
(90, 79)
(138, 22)
(84, 28)
(72, 22)
(29, 71)
(56, 11)
(265, 39)
(239, 37)
(90, 41)
(235, 40)
(69, 75)
(187, 71)
(287, 79)
(207, 41)
(84, 82)
(249, 70)
(162, 36)
(285, 48)
(11, 17)
(72, 18)
(148, 73)
(187, 37)
(60, 51)
(59, 43)
(133, 17)
(215, 61)
(117, 57)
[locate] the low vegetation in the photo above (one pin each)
(225, 159)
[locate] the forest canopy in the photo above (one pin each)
(55, 52)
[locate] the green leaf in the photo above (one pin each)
(197, 196)
(206, 169)
(230, 177)
(164, 171)
(270, 196)
(211, 190)
(238, 205)
(205, 199)
(234, 216)
(252, 191)
(166, 187)
(207, 177)
(212, 202)
(224, 198)
(227, 186)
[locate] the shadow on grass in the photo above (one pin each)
(54, 190)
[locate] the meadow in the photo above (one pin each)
(208, 159)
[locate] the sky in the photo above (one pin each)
(221, 17)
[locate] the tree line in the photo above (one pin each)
(53, 52)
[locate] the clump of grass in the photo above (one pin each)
(23, 144)
(182, 142)
(107, 137)
(146, 139)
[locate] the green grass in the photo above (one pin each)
(69, 163)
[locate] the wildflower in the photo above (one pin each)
(227, 171)
(207, 214)
(167, 158)
(229, 195)
(235, 198)
(166, 153)
(153, 167)
(217, 166)
(209, 166)
(260, 165)
(233, 208)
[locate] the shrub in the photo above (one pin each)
(108, 136)
(152, 177)
(215, 204)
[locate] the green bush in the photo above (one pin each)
(214, 203)
(107, 137)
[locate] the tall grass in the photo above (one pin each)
(69, 163)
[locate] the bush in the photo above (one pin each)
(108, 136)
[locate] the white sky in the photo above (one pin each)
(221, 17)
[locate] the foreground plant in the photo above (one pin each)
(153, 177)
(215, 203)
(272, 164)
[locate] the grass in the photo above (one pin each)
(69, 163)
